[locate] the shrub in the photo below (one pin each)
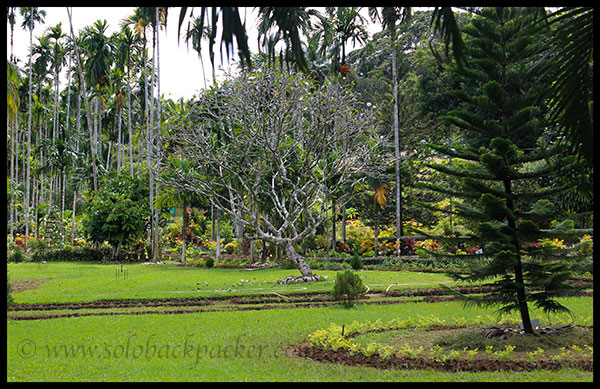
(231, 247)
(16, 256)
(75, 254)
(348, 286)
(210, 262)
(356, 262)
(9, 298)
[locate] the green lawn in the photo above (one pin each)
(219, 346)
(214, 346)
(71, 282)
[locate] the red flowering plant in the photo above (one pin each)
(409, 246)
(344, 69)
(473, 250)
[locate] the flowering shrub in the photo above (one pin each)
(585, 245)
(410, 246)
(19, 242)
(428, 244)
(552, 243)
(474, 250)
(344, 69)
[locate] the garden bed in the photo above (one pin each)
(577, 355)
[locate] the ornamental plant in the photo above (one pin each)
(348, 286)
(117, 212)
(491, 184)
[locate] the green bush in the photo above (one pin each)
(210, 263)
(348, 286)
(9, 298)
(356, 262)
(231, 247)
(17, 256)
(76, 254)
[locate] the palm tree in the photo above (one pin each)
(570, 107)
(389, 16)
(11, 15)
(341, 25)
(285, 24)
(195, 34)
(82, 90)
(58, 60)
(98, 64)
(12, 99)
(232, 26)
(31, 16)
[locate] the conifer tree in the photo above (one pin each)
(495, 190)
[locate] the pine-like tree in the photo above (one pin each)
(499, 188)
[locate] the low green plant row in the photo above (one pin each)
(335, 337)
(66, 254)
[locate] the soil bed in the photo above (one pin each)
(342, 356)
(23, 285)
(519, 361)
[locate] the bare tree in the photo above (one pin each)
(273, 143)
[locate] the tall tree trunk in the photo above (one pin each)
(396, 139)
(13, 134)
(73, 215)
(28, 172)
(185, 226)
(119, 143)
(150, 152)
(86, 105)
(218, 238)
(129, 121)
(157, 133)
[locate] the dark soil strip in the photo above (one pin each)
(342, 356)
(230, 303)
(211, 308)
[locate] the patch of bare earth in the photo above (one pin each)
(23, 285)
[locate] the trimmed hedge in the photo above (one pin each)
(76, 254)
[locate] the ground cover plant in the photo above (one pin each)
(451, 345)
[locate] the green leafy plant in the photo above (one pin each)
(356, 263)
(506, 354)
(348, 286)
(17, 256)
(117, 212)
(9, 298)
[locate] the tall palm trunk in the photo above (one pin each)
(150, 150)
(392, 27)
(86, 106)
(158, 125)
(29, 113)
(129, 121)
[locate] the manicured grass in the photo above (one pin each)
(223, 346)
(72, 282)
(216, 346)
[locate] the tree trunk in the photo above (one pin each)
(129, 122)
(28, 172)
(297, 259)
(185, 225)
(86, 106)
(396, 138)
(73, 215)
